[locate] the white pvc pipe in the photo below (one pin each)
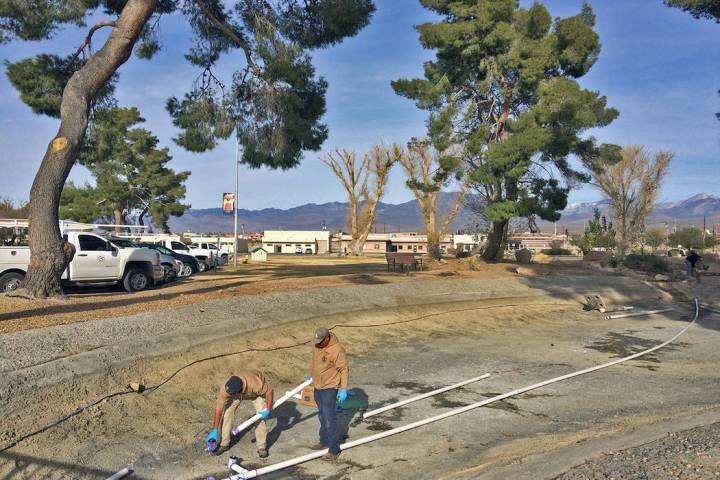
(424, 395)
(637, 314)
(121, 474)
(248, 423)
(243, 474)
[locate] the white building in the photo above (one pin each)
(299, 242)
(258, 255)
(469, 242)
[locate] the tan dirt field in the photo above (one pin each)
(276, 275)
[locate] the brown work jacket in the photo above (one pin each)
(329, 366)
(254, 385)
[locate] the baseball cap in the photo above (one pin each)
(320, 334)
(234, 385)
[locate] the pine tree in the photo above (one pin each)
(273, 102)
(131, 176)
(502, 94)
(709, 9)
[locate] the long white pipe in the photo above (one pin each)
(243, 474)
(248, 423)
(121, 474)
(637, 314)
(424, 395)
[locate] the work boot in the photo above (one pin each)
(317, 446)
(220, 450)
(330, 457)
(262, 452)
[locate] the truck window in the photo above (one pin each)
(178, 246)
(212, 246)
(91, 243)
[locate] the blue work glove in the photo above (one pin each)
(212, 436)
(264, 414)
(342, 395)
(309, 377)
(211, 441)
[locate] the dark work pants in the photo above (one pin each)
(329, 433)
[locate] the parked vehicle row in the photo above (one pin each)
(107, 260)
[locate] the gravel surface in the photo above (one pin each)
(689, 455)
(123, 337)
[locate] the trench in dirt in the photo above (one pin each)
(160, 432)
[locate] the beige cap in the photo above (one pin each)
(320, 334)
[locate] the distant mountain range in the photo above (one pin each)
(406, 216)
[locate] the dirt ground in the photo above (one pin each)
(279, 274)
(404, 334)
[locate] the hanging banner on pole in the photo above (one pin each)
(228, 202)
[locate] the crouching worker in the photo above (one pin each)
(245, 385)
(329, 372)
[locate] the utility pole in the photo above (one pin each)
(237, 188)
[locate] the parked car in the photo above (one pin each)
(190, 264)
(205, 258)
(212, 250)
(171, 266)
(96, 261)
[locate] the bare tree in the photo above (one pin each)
(364, 182)
(631, 185)
(425, 179)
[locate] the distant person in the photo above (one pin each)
(692, 259)
(329, 372)
(244, 385)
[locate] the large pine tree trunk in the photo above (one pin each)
(49, 254)
(496, 241)
(433, 244)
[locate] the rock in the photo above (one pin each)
(137, 387)
(661, 278)
(523, 256)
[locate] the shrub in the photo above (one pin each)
(523, 256)
(556, 251)
(647, 263)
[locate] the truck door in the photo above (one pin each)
(179, 247)
(95, 259)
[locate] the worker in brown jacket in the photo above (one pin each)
(244, 385)
(329, 372)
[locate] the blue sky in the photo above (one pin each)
(659, 67)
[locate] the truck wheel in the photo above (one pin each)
(170, 275)
(10, 282)
(187, 270)
(136, 280)
(202, 266)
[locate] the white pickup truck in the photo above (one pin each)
(210, 249)
(96, 261)
(206, 258)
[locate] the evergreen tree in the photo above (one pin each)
(502, 94)
(709, 9)
(273, 102)
(131, 176)
(81, 204)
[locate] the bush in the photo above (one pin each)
(556, 251)
(647, 263)
(523, 256)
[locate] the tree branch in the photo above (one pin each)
(88, 37)
(225, 28)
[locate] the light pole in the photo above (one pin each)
(237, 188)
